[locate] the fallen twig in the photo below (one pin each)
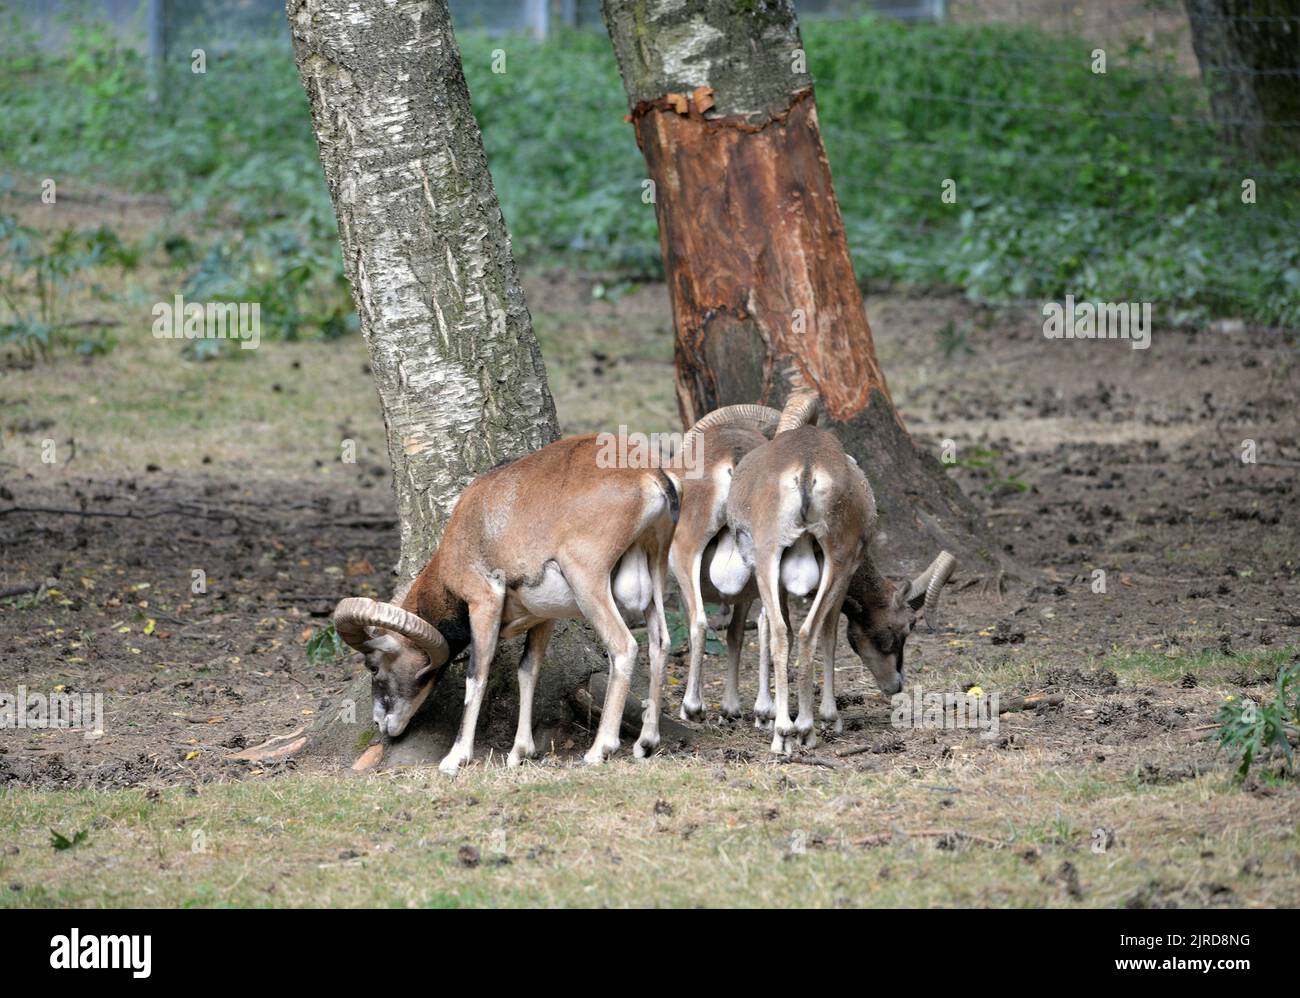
(91, 324)
(956, 834)
(274, 748)
(21, 589)
(1032, 702)
(809, 760)
(881, 748)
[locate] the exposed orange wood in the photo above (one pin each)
(752, 237)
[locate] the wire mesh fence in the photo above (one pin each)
(179, 25)
(1029, 150)
(1016, 150)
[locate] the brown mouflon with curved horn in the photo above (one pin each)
(705, 559)
(804, 518)
(881, 613)
(555, 534)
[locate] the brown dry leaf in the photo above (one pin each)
(360, 568)
(703, 98)
(369, 759)
(678, 102)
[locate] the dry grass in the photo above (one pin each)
(670, 832)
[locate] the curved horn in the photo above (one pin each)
(758, 417)
(800, 410)
(755, 417)
(926, 587)
(354, 615)
(939, 572)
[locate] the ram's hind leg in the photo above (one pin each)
(829, 713)
(763, 709)
(534, 650)
(828, 598)
(659, 641)
(778, 624)
(735, 643)
(591, 589)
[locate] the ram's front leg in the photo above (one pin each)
(485, 623)
(658, 641)
(826, 600)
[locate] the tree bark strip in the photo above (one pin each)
(745, 289)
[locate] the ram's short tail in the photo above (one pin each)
(670, 493)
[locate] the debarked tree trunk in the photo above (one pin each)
(755, 252)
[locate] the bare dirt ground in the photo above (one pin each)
(1085, 456)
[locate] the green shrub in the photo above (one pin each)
(1255, 732)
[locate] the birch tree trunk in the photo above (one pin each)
(754, 247)
(425, 248)
(1249, 54)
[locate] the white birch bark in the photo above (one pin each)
(458, 370)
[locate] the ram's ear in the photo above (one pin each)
(385, 643)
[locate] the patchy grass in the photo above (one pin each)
(145, 404)
(1049, 815)
(1209, 667)
(671, 832)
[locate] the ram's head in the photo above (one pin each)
(404, 653)
(881, 615)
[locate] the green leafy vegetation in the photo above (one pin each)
(985, 463)
(1253, 732)
(325, 645)
(954, 340)
(39, 272)
(679, 632)
(60, 842)
(1106, 187)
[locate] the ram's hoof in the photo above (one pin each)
(598, 753)
(645, 746)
